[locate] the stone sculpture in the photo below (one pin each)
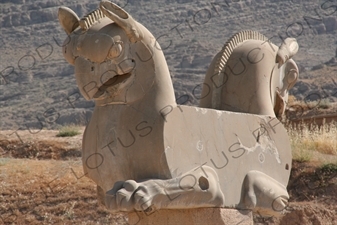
(145, 153)
(250, 60)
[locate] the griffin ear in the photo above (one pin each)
(287, 50)
(68, 19)
(123, 19)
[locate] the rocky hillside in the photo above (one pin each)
(38, 89)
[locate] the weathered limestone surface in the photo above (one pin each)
(233, 145)
(205, 216)
(145, 153)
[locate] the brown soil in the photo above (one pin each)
(313, 196)
(41, 182)
(38, 150)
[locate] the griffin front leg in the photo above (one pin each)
(194, 189)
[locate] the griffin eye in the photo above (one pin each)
(115, 50)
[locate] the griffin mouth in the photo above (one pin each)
(113, 84)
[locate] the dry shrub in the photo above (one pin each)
(291, 100)
(43, 149)
(298, 107)
(69, 131)
(306, 139)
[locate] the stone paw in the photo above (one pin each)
(263, 194)
(120, 197)
(194, 189)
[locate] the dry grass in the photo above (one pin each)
(307, 140)
(50, 192)
(43, 149)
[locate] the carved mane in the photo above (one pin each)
(91, 18)
(225, 53)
